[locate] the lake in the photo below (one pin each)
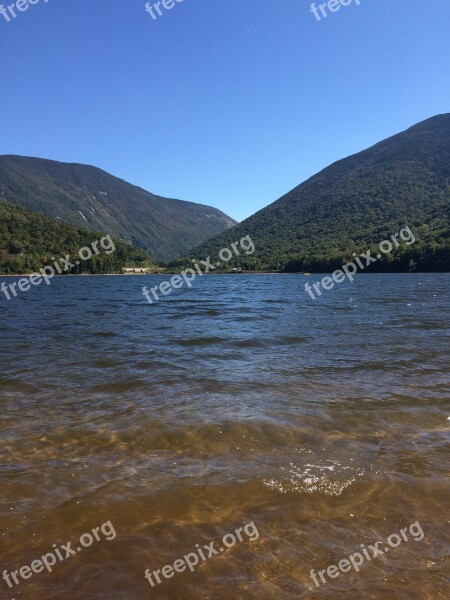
(324, 423)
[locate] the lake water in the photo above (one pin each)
(240, 400)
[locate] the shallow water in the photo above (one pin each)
(239, 400)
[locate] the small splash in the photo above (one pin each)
(330, 478)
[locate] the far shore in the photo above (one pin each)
(170, 273)
(152, 274)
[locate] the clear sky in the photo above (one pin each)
(225, 102)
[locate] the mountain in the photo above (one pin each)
(356, 203)
(88, 197)
(29, 242)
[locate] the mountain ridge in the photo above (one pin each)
(89, 197)
(354, 203)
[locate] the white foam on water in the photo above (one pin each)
(327, 477)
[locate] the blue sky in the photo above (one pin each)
(225, 102)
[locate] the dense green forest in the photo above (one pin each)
(355, 204)
(28, 241)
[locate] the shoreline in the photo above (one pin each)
(171, 273)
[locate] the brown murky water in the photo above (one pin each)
(241, 400)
